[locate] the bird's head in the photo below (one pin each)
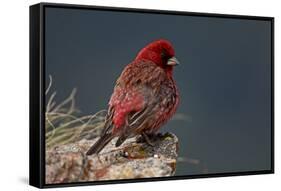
(160, 52)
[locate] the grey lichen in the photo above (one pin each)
(68, 163)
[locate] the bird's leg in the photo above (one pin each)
(140, 139)
(147, 139)
(154, 136)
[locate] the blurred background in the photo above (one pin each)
(224, 119)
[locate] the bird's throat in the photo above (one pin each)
(169, 71)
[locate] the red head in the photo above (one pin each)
(161, 52)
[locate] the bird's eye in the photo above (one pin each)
(164, 54)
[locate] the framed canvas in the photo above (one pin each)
(127, 95)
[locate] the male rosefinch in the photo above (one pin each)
(144, 98)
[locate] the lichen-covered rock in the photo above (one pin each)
(68, 163)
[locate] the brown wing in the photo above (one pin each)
(136, 122)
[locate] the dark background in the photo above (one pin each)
(224, 117)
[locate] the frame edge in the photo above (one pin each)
(36, 173)
(35, 147)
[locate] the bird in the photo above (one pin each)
(144, 98)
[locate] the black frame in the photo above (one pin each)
(37, 96)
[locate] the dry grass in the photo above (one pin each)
(63, 124)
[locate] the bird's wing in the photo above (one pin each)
(136, 121)
(108, 122)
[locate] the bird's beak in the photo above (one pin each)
(173, 61)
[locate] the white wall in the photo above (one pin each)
(14, 51)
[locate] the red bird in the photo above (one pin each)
(144, 98)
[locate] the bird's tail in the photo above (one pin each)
(100, 144)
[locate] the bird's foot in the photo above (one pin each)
(150, 139)
(164, 135)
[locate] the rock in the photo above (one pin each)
(68, 163)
